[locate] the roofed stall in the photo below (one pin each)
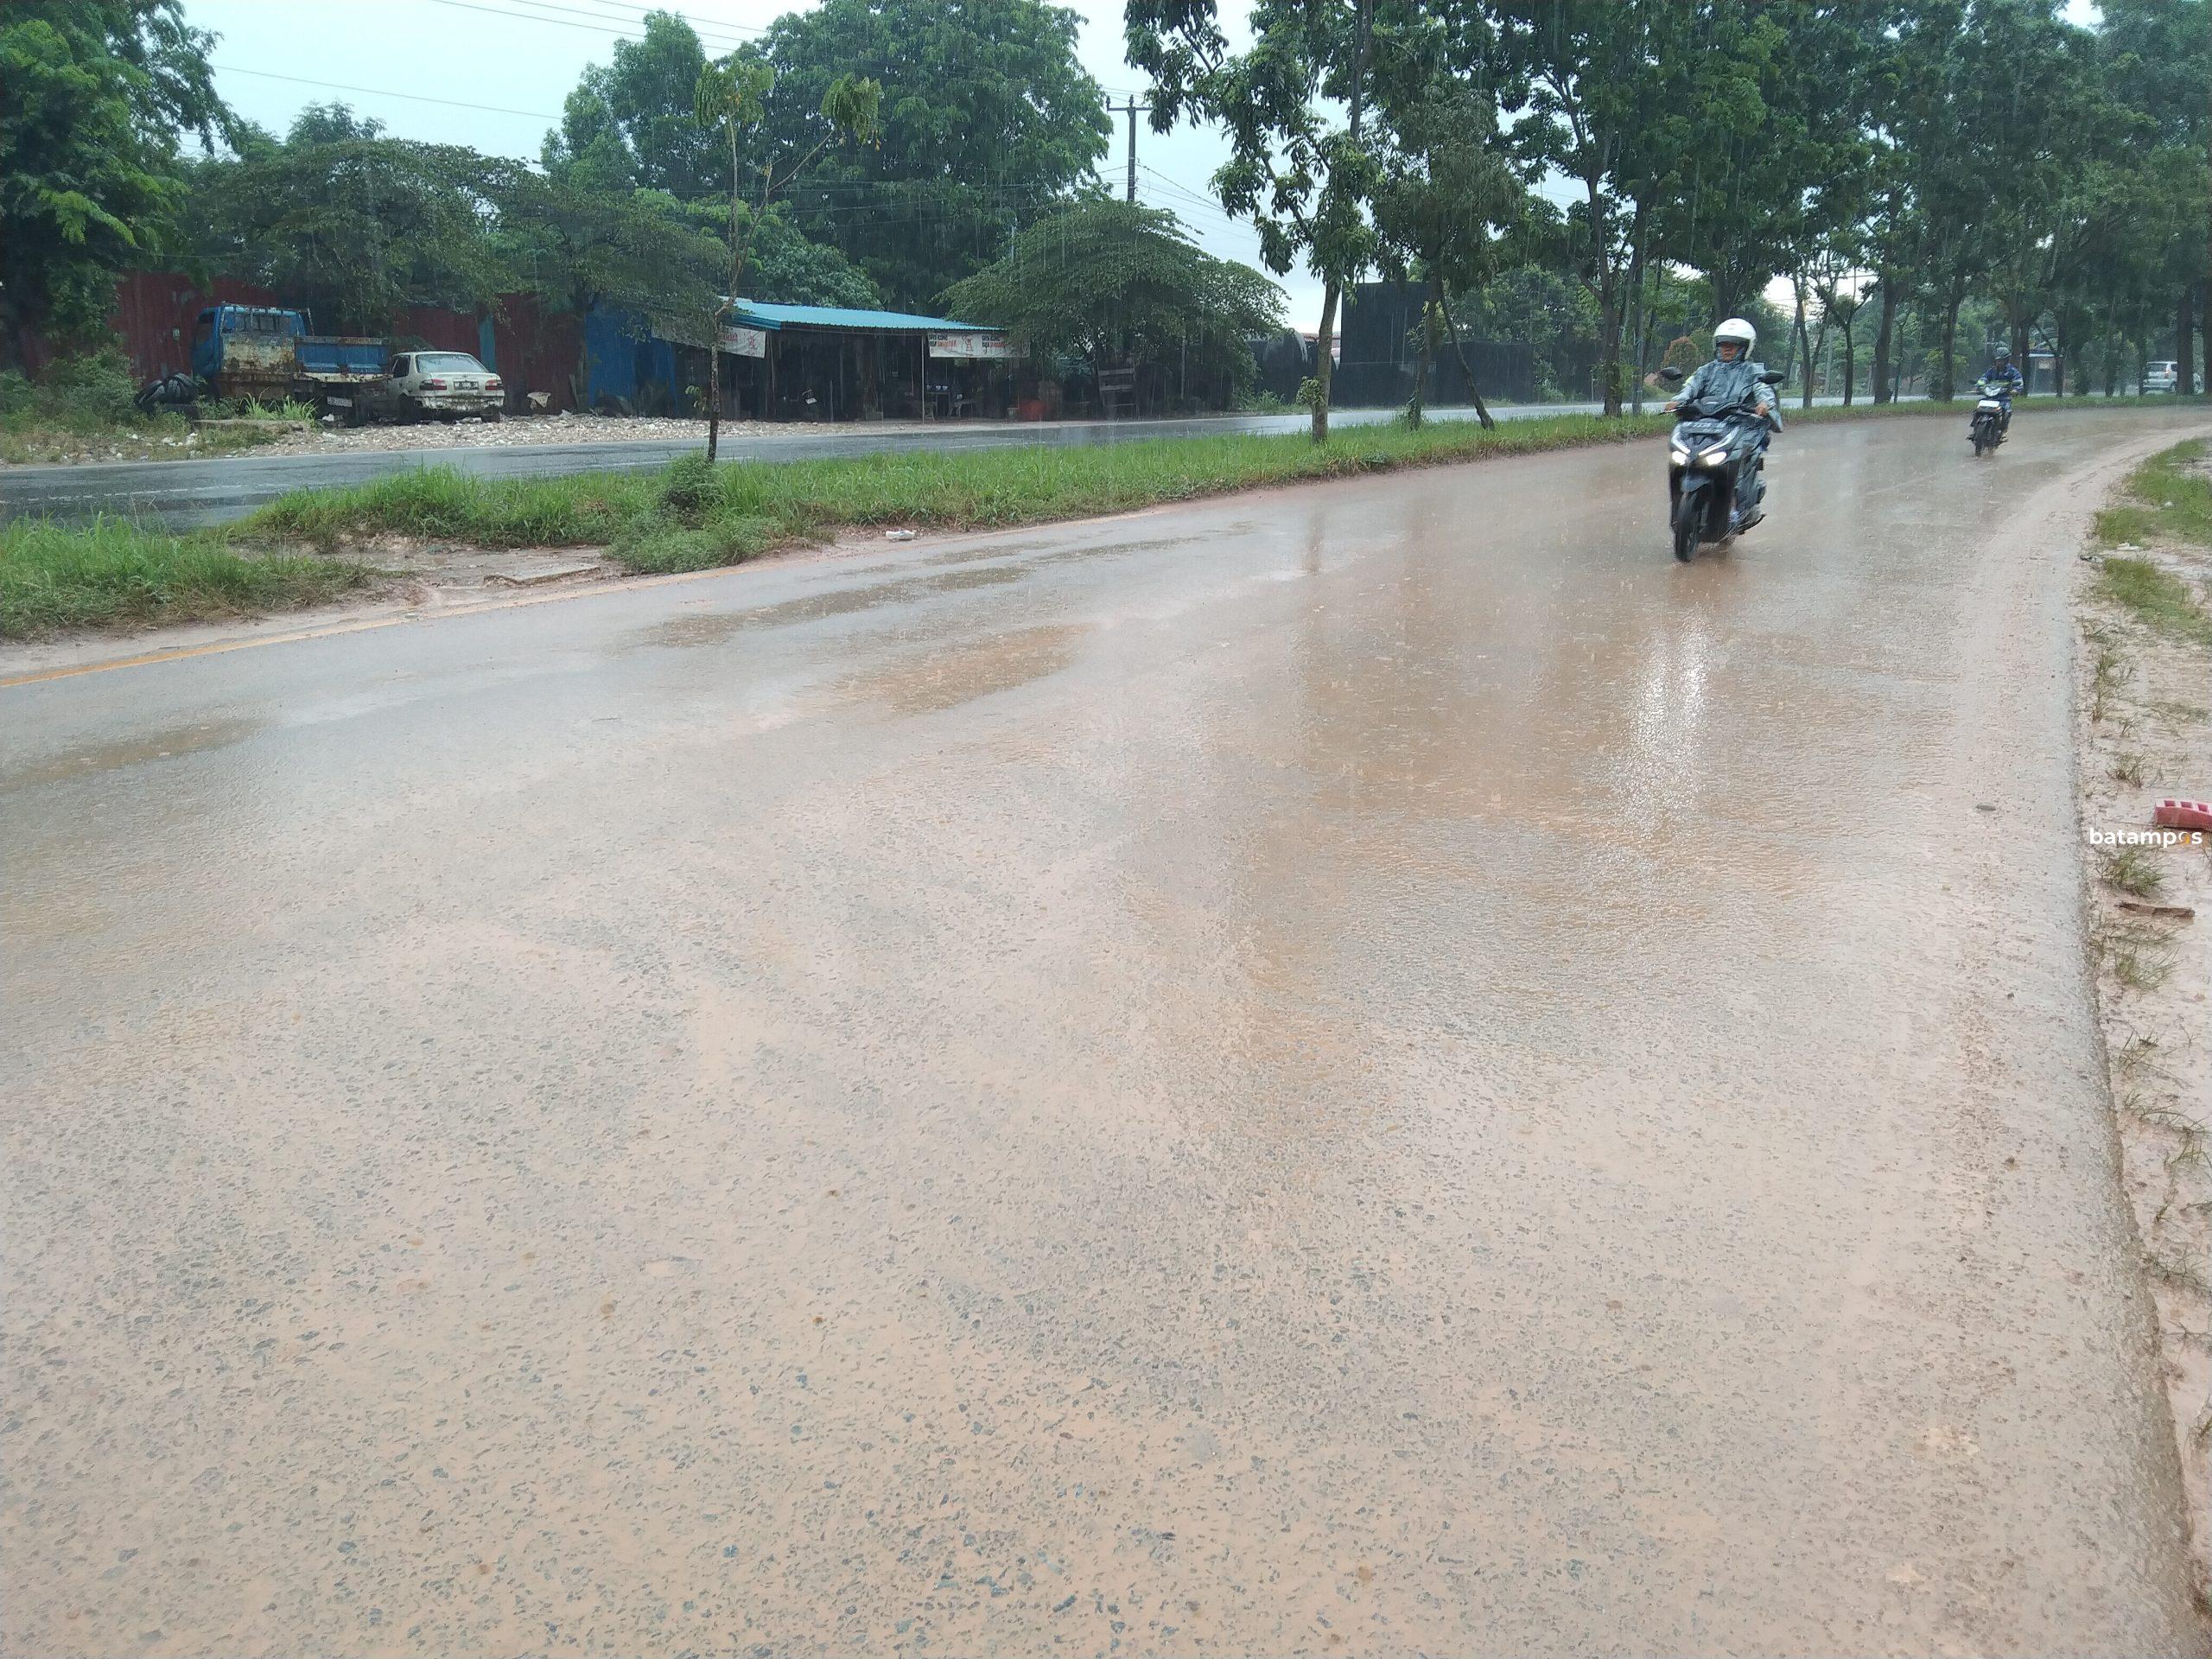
(832, 363)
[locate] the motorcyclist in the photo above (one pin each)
(1726, 382)
(2002, 381)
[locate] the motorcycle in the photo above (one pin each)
(1987, 428)
(1716, 467)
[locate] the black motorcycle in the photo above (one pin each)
(1988, 429)
(1716, 466)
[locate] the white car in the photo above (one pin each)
(2161, 377)
(446, 385)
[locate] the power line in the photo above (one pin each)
(718, 27)
(381, 92)
(707, 32)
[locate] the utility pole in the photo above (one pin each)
(1132, 108)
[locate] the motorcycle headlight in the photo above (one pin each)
(1715, 455)
(1677, 456)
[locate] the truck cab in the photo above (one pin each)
(265, 354)
(247, 345)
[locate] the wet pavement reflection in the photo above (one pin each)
(1369, 1069)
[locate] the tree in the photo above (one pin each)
(629, 123)
(2157, 64)
(99, 96)
(1446, 192)
(1612, 92)
(352, 224)
(1116, 283)
(1304, 182)
(988, 121)
(729, 101)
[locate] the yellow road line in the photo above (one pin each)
(363, 624)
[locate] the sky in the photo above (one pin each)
(503, 67)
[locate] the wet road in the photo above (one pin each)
(1368, 1070)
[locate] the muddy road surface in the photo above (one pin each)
(1372, 1069)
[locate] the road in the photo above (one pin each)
(187, 493)
(1375, 1068)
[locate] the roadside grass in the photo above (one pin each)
(2170, 500)
(2158, 598)
(113, 572)
(2133, 870)
(81, 408)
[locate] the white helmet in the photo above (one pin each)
(1735, 329)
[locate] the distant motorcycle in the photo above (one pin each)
(1716, 467)
(1988, 429)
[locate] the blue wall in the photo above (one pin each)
(617, 364)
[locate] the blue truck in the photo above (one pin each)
(264, 354)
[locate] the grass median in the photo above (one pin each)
(315, 544)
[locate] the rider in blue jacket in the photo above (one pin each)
(2002, 381)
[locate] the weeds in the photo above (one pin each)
(2139, 958)
(113, 571)
(2158, 599)
(2107, 673)
(2170, 500)
(2181, 1276)
(2128, 769)
(2134, 871)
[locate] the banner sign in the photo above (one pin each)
(746, 342)
(969, 346)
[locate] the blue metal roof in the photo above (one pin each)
(753, 313)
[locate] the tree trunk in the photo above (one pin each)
(1804, 351)
(1885, 340)
(2184, 340)
(1474, 391)
(1637, 315)
(1428, 351)
(1946, 386)
(2058, 362)
(1850, 364)
(1323, 345)
(1324, 366)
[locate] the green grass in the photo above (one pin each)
(113, 572)
(2169, 499)
(2133, 870)
(2160, 599)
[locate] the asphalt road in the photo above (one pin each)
(1369, 1069)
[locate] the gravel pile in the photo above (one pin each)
(521, 429)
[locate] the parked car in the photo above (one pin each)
(446, 385)
(2161, 377)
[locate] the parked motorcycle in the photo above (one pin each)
(1987, 428)
(1716, 467)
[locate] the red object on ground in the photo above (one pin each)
(2183, 815)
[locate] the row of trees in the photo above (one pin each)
(1547, 166)
(1881, 155)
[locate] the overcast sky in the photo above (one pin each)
(505, 67)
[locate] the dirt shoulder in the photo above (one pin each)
(2144, 732)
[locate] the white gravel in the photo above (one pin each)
(520, 429)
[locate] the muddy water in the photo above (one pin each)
(1365, 1070)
